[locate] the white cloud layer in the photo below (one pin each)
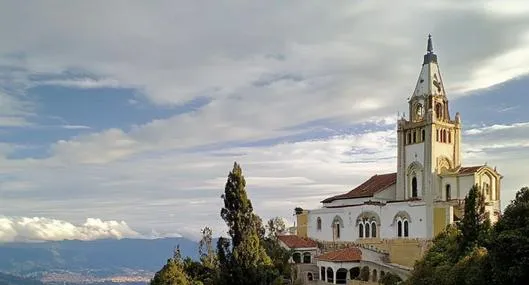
(266, 67)
(39, 228)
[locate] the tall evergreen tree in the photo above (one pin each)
(248, 262)
(475, 225)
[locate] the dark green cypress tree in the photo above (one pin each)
(248, 262)
(475, 225)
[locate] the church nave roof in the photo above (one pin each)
(369, 188)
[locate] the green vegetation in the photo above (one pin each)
(390, 279)
(472, 252)
(172, 272)
(252, 254)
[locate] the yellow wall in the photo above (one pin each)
(302, 224)
(400, 251)
(439, 220)
(405, 252)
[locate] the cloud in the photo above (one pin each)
(498, 127)
(39, 228)
(85, 83)
(180, 192)
(170, 192)
(75, 127)
(324, 92)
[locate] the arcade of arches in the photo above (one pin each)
(355, 272)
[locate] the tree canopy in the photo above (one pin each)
(473, 253)
(251, 254)
(247, 262)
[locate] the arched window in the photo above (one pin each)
(354, 272)
(399, 228)
(373, 229)
(367, 230)
(414, 137)
(449, 137)
(423, 135)
(307, 257)
(414, 191)
(409, 137)
(318, 223)
(405, 228)
(439, 110)
(448, 192)
(337, 223)
(296, 256)
(374, 277)
(437, 136)
(444, 136)
(361, 230)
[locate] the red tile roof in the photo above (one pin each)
(469, 169)
(293, 241)
(373, 185)
(350, 254)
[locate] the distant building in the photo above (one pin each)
(395, 215)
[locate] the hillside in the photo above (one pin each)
(100, 258)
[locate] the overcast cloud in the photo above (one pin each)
(304, 94)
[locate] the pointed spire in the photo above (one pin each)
(429, 82)
(429, 56)
(430, 45)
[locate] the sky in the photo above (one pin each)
(124, 118)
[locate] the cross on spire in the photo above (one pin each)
(430, 45)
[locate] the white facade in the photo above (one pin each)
(429, 175)
(384, 218)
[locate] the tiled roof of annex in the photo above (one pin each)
(350, 254)
(369, 188)
(294, 241)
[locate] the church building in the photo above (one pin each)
(423, 196)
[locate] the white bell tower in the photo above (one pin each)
(428, 139)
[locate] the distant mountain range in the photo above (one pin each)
(122, 261)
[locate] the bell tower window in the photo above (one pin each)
(439, 110)
(448, 192)
(414, 191)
